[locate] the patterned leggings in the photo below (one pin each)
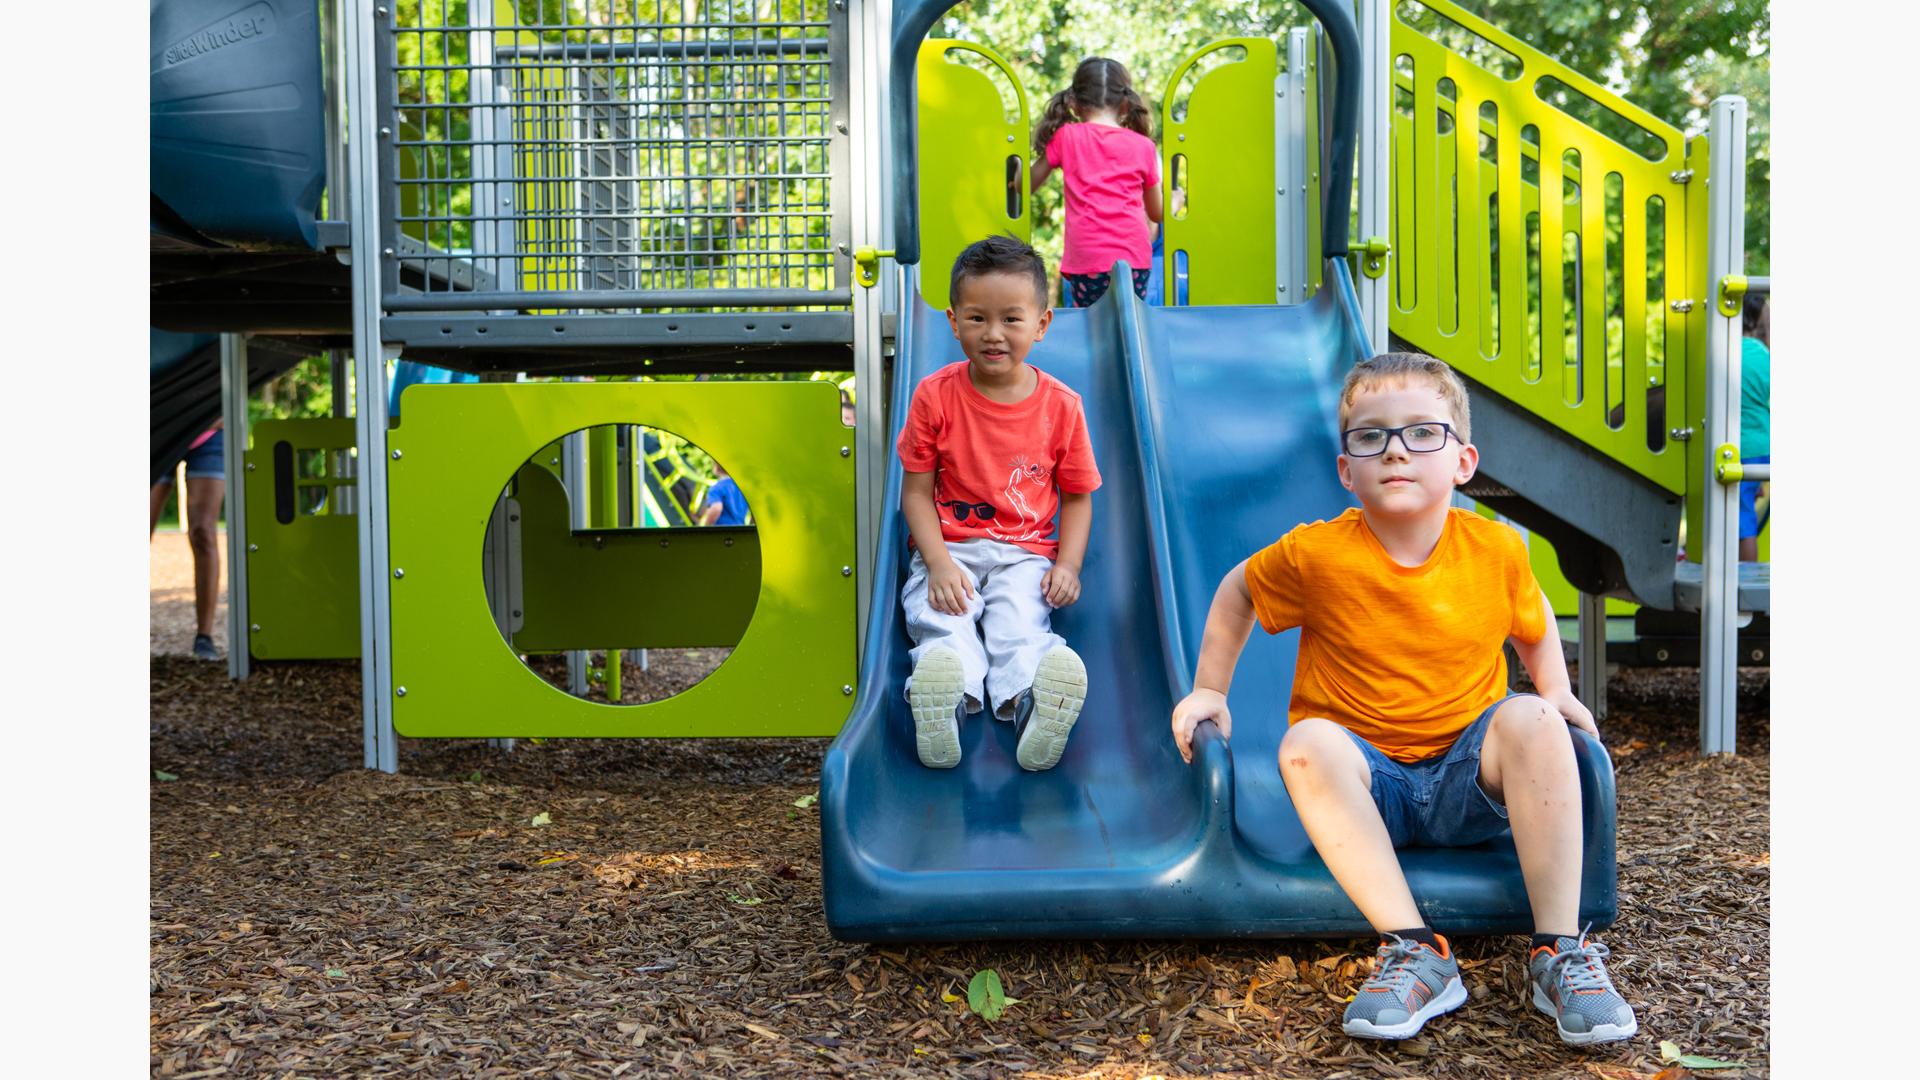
(1089, 288)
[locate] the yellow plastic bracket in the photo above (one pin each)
(1372, 253)
(1726, 457)
(1733, 290)
(866, 265)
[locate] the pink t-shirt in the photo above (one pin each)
(1012, 459)
(1105, 169)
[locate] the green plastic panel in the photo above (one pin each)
(457, 448)
(628, 588)
(966, 143)
(303, 575)
(1695, 377)
(1226, 141)
(1473, 238)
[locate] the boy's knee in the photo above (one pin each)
(203, 538)
(1312, 744)
(1530, 723)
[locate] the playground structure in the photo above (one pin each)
(546, 189)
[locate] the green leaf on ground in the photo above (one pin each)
(747, 900)
(164, 777)
(805, 801)
(986, 997)
(1671, 1055)
(474, 777)
(542, 818)
(336, 973)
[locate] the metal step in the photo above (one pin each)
(1755, 586)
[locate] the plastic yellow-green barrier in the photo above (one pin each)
(1223, 148)
(793, 669)
(973, 157)
(303, 562)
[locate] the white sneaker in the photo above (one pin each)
(938, 686)
(1059, 690)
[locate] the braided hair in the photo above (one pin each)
(1098, 83)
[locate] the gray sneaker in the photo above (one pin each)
(1570, 984)
(203, 648)
(939, 685)
(1047, 712)
(1411, 984)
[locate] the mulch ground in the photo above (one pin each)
(311, 918)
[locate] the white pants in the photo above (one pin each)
(1007, 627)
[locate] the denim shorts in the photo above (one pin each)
(1437, 802)
(209, 458)
(1749, 499)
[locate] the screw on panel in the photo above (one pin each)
(847, 690)
(249, 466)
(255, 628)
(1660, 654)
(1682, 306)
(1680, 176)
(388, 252)
(396, 455)
(379, 11)
(663, 543)
(386, 133)
(840, 126)
(399, 691)
(1183, 136)
(1756, 656)
(398, 573)
(728, 542)
(253, 547)
(1283, 288)
(846, 571)
(1681, 434)
(1009, 136)
(846, 451)
(1280, 191)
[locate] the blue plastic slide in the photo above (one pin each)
(1214, 431)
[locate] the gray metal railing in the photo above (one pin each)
(603, 156)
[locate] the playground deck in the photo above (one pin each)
(669, 920)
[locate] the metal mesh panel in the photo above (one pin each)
(636, 148)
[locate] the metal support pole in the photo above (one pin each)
(573, 477)
(233, 414)
(1720, 546)
(1372, 154)
(1592, 627)
(869, 23)
(382, 749)
(342, 384)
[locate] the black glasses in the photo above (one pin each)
(962, 509)
(1421, 438)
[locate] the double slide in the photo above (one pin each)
(1214, 431)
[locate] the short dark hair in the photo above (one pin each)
(999, 255)
(1751, 306)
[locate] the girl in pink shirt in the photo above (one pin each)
(1099, 134)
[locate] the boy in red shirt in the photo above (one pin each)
(1401, 729)
(990, 449)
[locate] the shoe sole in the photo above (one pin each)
(938, 685)
(1059, 691)
(1605, 1033)
(1451, 996)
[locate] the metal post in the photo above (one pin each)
(573, 477)
(1720, 546)
(1376, 133)
(1290, 192)
(869, 23)
(1592, 627)
(233, 413)
(370, 387)
(342, 384)
(334, 108)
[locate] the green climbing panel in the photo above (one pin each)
(973, 156)
(303, 562)
(793, 669)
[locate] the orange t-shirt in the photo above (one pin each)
(1404, 656)
(998, 469)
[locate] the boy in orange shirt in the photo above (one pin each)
(1401, 730)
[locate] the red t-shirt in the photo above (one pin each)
(1012, 459)
(1105, 170)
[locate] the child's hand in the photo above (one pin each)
(1061, 586)
(1195, 707)
(948, 589)
(1575, 713)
